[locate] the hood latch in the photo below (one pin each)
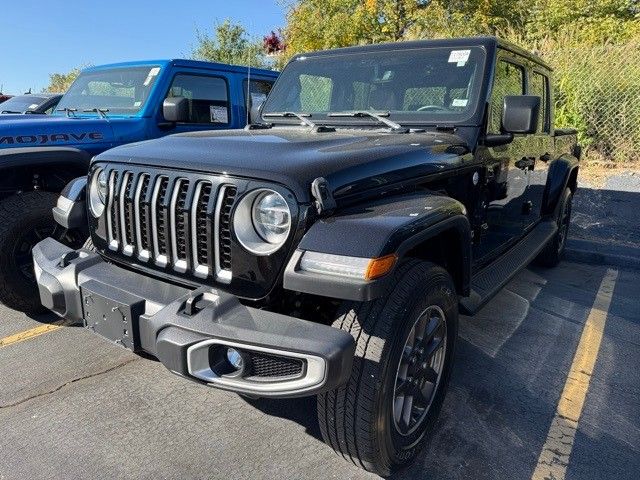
(325, 203)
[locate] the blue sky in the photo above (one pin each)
(42, 37)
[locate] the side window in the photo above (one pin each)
(208, 97)
(540, 87)
(509, 80)
(258, 91)
(315, 93)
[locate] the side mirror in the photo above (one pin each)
(256, 106)
(520, 114)
(175, 109)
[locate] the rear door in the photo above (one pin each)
(541, 148)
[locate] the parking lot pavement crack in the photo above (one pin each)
(66, 384)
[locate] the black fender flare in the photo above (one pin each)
(560, 174)
(392, 225)
(70, 211)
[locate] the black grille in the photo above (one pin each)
(161, 216)
(181, 222)
(201, 224)
(269, 366)
(145, 220)
(167, 220)
(128, 208)
(225, 227)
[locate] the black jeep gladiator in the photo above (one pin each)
(328, 249)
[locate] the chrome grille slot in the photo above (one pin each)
(141, 218)
(225, 227)
(177, 221)
(112, 212)
(158, 221)
(200, 238)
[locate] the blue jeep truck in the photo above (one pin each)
(105, 107)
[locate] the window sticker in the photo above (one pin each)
(152, 73)
(459, 102)
(459, 57)
(218, 114)
(32, 106)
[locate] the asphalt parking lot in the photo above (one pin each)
(75, 406)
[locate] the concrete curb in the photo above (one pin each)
(600, 253)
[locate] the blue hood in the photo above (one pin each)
(56, 131)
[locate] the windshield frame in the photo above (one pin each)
(110, 113)
(470, 118)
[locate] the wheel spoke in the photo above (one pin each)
(434, 325)
(435, 345)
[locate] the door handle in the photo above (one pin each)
(546, 157)
(525, 163)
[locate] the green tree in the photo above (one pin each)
(60, 82)
(230, 43)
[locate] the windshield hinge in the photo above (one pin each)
(325, 203)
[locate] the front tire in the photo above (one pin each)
(405, 343)
(25, 219)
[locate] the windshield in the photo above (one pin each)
(122, 91)
(421, 85)
(21, 104)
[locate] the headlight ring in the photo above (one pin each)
(262, 221)
(98, 193)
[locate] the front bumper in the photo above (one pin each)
(187, 329)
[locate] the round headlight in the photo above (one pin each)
(102, 186)
(262, 221)
(271, 217)
(98, 193)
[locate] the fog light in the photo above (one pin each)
(234, 357)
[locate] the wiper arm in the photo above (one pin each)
(300, 116)
(9, 111)
(69, 111)
(379, 116)
(101, 111)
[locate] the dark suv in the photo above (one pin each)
(328, 249)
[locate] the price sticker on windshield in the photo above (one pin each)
(459, 57)
(152, 74)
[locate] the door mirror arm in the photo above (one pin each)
(497, 139)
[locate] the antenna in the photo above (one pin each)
(248, 102)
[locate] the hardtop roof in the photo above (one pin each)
(489, 42)
(186, 63)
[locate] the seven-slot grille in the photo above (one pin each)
(174, 221)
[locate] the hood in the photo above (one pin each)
(53, 131)
(351, 160)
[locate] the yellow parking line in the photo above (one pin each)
(554, 458)
(31, 333)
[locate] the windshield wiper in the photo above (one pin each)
(379, 116)
(300, 116)
(9, 111)
(101, 111)
(69, 111)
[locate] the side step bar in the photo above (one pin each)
(490, 280)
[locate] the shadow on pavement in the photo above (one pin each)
(511, 365)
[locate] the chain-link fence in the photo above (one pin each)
(598, 92)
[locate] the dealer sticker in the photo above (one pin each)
(218, 114)
(459, 57)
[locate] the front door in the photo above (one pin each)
(506, 173)
(209, 101)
